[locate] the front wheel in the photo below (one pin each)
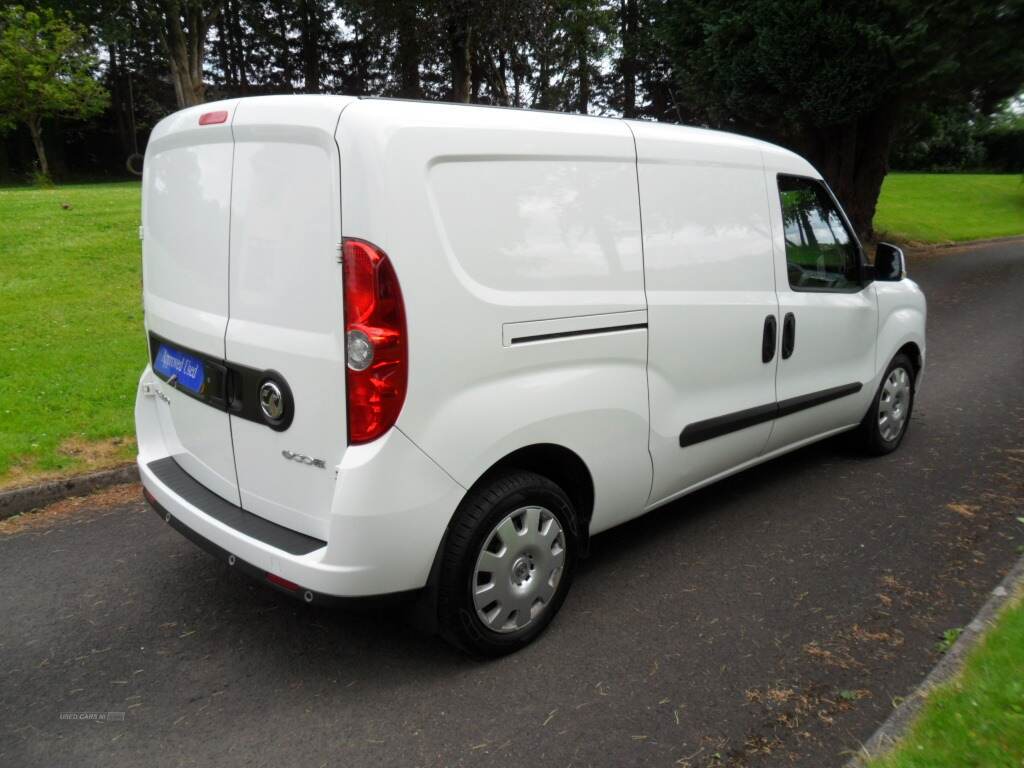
(507, 565)
(886, 421)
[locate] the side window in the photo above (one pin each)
(820, 251)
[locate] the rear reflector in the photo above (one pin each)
(213, 118)
(282, 582)
(375, 339)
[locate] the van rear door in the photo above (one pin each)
(286, 325)
(185, 224)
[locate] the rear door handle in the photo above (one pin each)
(788, 335)
(768, 339)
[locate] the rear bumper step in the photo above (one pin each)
(266, 577)
(168, 472)
(220, 553)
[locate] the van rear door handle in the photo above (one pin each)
(768, 339)
(788, 335)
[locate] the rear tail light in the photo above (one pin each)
(375, 341)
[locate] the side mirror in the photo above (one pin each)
(890, 264)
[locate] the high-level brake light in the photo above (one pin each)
(213, 118)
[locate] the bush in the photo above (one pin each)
(937, 142)
(38, 179)
(1004, 148)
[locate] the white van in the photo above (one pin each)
(402, 346)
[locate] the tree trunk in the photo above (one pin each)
(309, 35)
(35, 128)
(854, 160)
(630, 21)
(284, 54)
(408, 52)
(542, 97)
(185, 47)
(476, 78)
(460, 46)
(359, 72)
(224, 54)
(520, 72)
(55, 157)
(117, 105)
(497, 80)
(239, 42)
(583, 102)
(5, 162)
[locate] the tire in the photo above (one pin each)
(877, 437)
(507, 564)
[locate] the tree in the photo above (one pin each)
(587, 25)
(629, 60)
(45, 71)
(182, 26)
(836, 81)
(569, 40)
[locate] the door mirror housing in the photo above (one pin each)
(890, 264)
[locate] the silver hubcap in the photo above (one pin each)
(518, 569)
(893, 404)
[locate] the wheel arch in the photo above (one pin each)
(562, 466)
(902, 319)
(913, 351)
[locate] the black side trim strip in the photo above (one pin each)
(700, 431)
(581, 332)
(794, 404)
(170, 473)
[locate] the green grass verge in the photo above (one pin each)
(72, 345)
(977, 719)
(937, 207)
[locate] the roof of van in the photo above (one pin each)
(695, 134)
(776, 157)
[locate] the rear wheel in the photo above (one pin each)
(886, 422)
(507, 565)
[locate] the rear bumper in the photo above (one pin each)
(371, 554)
(390, 509)
(220, 553)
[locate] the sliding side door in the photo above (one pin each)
(712, 309)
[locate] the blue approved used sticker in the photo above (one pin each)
(187, 369)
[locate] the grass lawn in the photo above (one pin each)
(977, 719)
(72, 345)
(944, 207)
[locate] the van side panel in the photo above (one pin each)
(710, 287)
(494, 218)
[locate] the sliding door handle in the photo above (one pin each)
(788, 335)
(768, 339)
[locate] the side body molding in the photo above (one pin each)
(700, 431)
